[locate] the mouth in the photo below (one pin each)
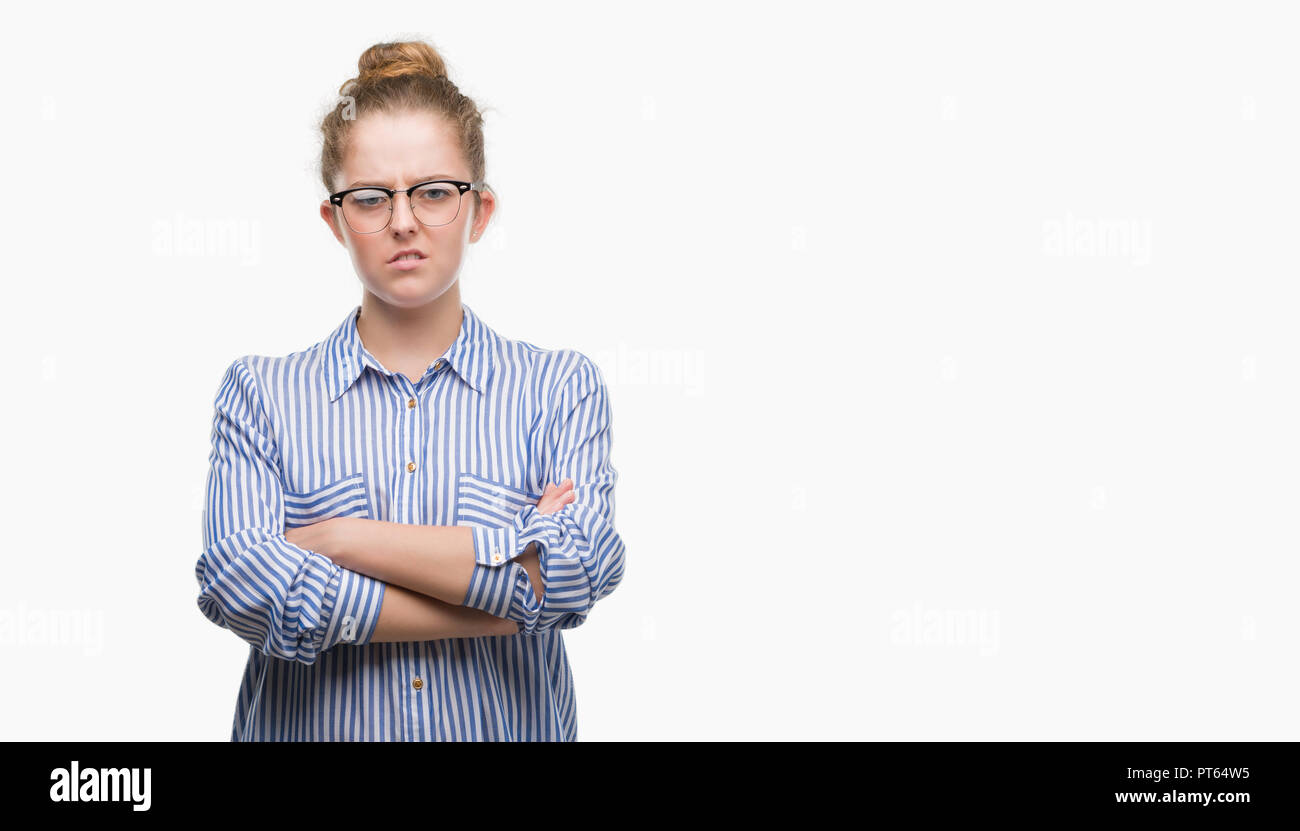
(407, 254)
(408, 258)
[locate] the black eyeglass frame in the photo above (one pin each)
(336, 199)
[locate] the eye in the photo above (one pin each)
(368, 198)
(434, 193)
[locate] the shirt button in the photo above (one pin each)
(410, 467)
(410, 402)
(437, 364)
(496, 556)
(418, 684)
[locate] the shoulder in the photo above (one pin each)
(274, 371)
(549, 371)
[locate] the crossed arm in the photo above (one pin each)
(287, 595)
(427, 569)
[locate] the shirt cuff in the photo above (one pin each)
(508, 592)
(498, 546)
(504, 592)
(495, 546)
(351, 608)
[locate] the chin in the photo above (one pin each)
(405, 292)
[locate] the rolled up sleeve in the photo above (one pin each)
(284, 600)
(580, 552)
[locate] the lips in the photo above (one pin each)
(419, 255)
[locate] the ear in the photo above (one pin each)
(330, 215)
(488, 203)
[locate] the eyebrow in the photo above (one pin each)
(428, 178)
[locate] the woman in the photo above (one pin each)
(401, 519)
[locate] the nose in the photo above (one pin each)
(403, 218)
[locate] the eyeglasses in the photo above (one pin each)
(368, 210)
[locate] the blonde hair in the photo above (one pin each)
(398, 77)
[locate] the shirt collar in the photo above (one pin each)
(346, 357)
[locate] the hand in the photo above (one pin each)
(321, 537)
(556, 497)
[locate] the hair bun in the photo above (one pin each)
(391, 60)
(406, 76)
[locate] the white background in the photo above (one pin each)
(952, 348)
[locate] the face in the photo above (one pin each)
(397, 151)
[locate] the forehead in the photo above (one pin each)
(401, 148)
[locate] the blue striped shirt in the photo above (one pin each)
(327, 432)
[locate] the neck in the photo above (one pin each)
(409, 337)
